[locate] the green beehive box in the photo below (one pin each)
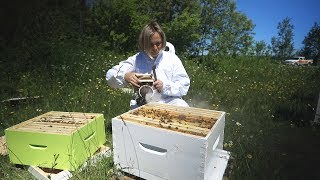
(58, 140)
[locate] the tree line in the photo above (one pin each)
(196, 28)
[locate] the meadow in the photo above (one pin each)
(269, 105)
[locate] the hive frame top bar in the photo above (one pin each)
(189, 120)
(155, 104)
(56, 122)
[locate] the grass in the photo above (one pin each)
(269, 105)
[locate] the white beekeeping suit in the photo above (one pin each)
(169, 69)
(170, 48)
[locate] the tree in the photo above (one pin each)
(119, 22)
(112, 21)
(311, 43)
(224, 30)
(282, 46)
(180, 20)
(26, 21)
(261, 48)
(194, 27)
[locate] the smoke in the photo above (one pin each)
(154, 96)
(199, 101)
(200, 104)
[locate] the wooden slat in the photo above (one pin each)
(57, 120)
(25, 123)
(184, 119)
(171, 126)
(44, 173)
(64, 120)
(53, 123)
(192, 110)
(74, 114)
(67, 123)
(54, 131)
(52, 126)
(169, 106)
(187, 126)
(177, 115)
(3, 146)
(169, 119)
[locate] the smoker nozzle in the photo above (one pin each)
(154, 72)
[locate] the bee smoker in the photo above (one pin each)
(145, 89)
(146, 86)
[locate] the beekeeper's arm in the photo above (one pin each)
(179, 83)
(115, 75)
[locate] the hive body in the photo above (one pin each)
(59, 140)
(160, 141)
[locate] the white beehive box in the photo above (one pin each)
(160, 141)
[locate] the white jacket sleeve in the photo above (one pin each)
(179, 83)
(115, 75)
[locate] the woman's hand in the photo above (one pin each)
(132, 79)
(158, 84)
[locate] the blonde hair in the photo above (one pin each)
(146, 33)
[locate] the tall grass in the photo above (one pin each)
(263, 99)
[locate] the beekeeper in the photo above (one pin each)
(156, 57)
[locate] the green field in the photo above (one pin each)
(269, 105)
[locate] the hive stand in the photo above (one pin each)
(47, 174)
(3, 146)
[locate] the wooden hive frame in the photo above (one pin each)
(188, 120)
(56, 122)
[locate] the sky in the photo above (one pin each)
(266, 15)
